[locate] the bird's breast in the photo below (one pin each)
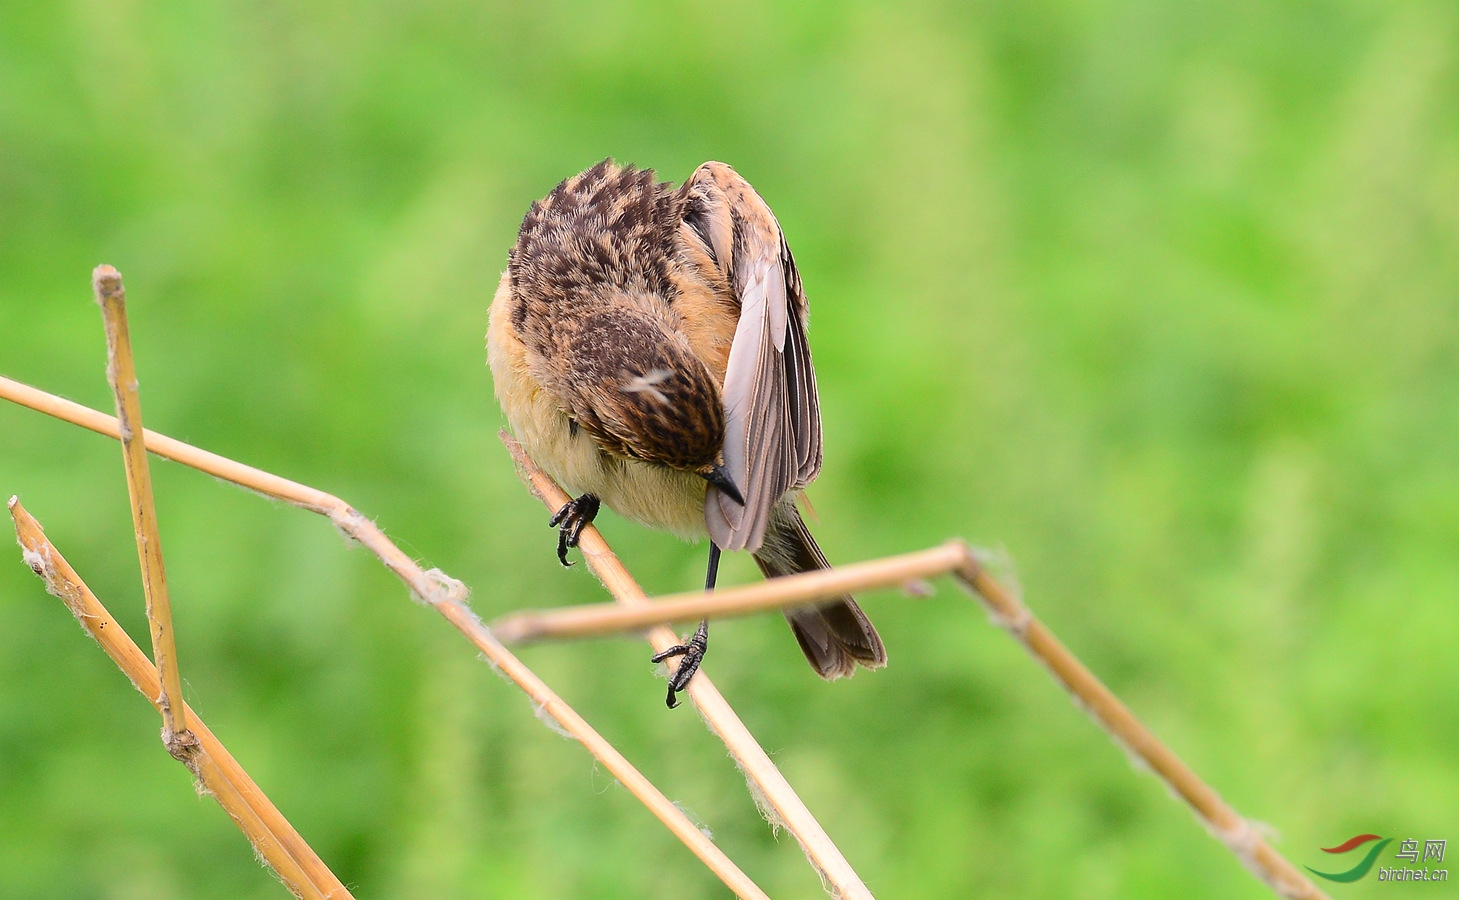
(651, 494)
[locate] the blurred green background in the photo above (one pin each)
(1162, 299)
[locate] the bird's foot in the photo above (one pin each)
(693, 653)
(570, 521)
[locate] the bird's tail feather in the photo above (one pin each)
(835, 635)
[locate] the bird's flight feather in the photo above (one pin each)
(772, 419)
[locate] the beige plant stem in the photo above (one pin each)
(767, 784)
(444, 594)
(608, 618)
(272, 836)
(596, 744)
(954, 558)
(1223, 821)
(106, 282)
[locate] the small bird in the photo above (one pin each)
(648, 346)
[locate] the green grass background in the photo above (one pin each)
(1163, 299)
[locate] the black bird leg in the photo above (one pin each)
(694, 649)
(570, 521)
(711, 574)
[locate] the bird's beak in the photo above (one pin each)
(720, 479)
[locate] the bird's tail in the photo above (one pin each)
(835, 635)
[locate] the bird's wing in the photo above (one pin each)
(772, 415)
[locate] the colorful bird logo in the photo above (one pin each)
(1361, 868)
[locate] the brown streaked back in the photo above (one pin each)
(592, 276)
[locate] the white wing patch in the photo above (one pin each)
(646, 383)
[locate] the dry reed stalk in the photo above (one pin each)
(954, 558)
(271, 835)
(1220, 818)
(608, 618)
(772, 792)
(446, 595)
(612, 760)
(106, 283)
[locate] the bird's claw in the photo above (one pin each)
(570, 521)
(693, 652)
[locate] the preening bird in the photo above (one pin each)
(648, 346)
